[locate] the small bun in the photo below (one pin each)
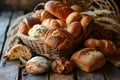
(86, 21)
(31, 21)
(77, 8)
(37, 14)
(46, 15)
(62, 65)
(37, 31)
(23, 28)
(88, 59)
(37, 65)
(53, 23)
(74, 28)
(59, 38)
(74, 16)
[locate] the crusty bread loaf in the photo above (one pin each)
(53, 23)
(18, 51)
(88, 59)
(58, 9)
(105, 46)
(74, 28)
(74, 16)
(59, 38)
(37, 14)
(37, 65)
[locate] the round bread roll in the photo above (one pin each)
(62, 65)
(74, 28)
(58, 9)
(37, 65)
(37, 31)
(88, 59)
(74, 16)
(59, 38)
(77, 8)
(86, 21)
(53, 23)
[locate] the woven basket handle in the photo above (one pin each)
(38, 5)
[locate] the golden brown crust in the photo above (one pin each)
(105, 46)
(74, 16)
(18, 51)
(37, 65)
(59, 38)
(58, 9)
(77, 8)
(53, 23)
(45, 15)
(74, 28)
(23, 28)
(86, 21)
(62, 65)
(88, 59)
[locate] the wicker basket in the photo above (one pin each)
(38, 46)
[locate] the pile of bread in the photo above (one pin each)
(59, 26)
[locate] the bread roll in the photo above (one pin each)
(74, 28)
(37, 31)
(23, 28)
(45, 15)
(105, 46)
(37, 14)
(86, 21)
(18, 51)
(58, 9)
(54, 23)
(77, 8)
(59, 38)
(62, 65)
(88, 59)
(37, 65)
(74, 16)
(27, 23)
(30, 21)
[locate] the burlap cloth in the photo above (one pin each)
(12, 33)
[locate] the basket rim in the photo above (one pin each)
(28, 37)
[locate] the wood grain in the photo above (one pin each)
(10, 67)
(97, 75)
(111, 72)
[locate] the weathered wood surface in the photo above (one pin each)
(11, 71)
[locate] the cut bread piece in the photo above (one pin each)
(18, 51)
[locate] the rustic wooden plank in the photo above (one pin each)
(96, 75)
(56, 76)
(111, 72)
(28, 76)
(10, 67)
(4, 22)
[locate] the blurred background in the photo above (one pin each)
(26, 5)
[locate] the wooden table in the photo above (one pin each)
(11, 71)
